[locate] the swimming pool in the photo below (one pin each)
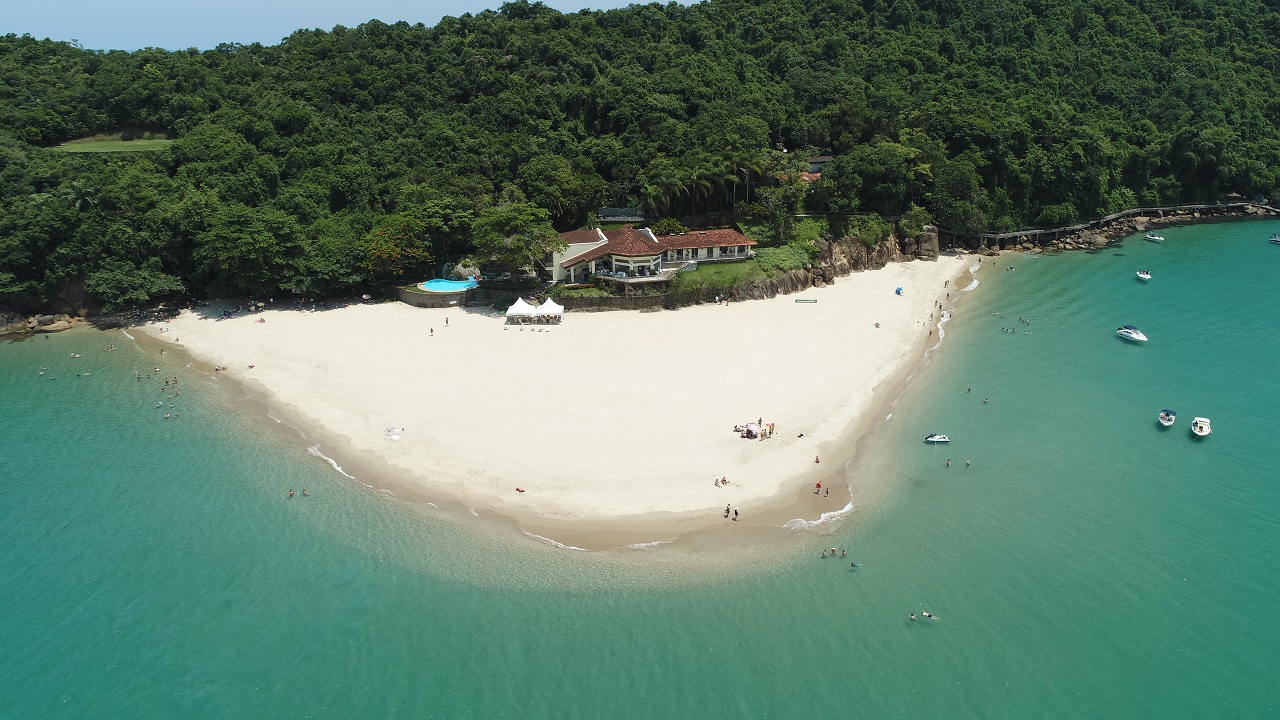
(439, 285)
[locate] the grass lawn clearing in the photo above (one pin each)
(113, 146)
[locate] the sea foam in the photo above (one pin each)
(802, 524)
(549, 541)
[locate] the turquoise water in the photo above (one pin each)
(1087, 564)
(447, 285)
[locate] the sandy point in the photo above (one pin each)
(610, 419)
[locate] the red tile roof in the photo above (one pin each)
(722, 237)
(579, 237)
(624, 241)
(630, 242)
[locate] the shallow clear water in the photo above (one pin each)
(1088, 564)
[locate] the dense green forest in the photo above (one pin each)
(357, 158)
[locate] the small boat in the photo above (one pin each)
(1153, 237)
(1167, 417)
(75, 355)
(1200, 427)
(1144, 274)
(1275, 238)
(937, 438)
(1129, 332)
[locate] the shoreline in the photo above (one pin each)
(771, 501)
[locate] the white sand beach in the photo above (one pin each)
(609, 416)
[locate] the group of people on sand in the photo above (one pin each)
(755, 431)
(727, 510)
(722, 481)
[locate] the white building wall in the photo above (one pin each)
(558, 273)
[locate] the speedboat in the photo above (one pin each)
(1144, 274)
(1153, 237)
(1167, 417)
(937, 438)
(1129, 332)
(1200, 427)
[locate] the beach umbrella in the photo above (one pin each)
(261, 304)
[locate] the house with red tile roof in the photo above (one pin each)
(636, 255)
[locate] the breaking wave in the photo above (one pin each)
(802, 524)
(549, 541)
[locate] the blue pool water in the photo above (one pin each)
(439, 285)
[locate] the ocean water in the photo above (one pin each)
(1086, 565)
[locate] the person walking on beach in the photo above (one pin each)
(433, 332)
(817, 487)
(735, 515)
(446, 322)
(828, 492)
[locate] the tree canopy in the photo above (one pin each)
(355, 157)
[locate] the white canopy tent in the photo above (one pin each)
(520, 309)
(550, 307)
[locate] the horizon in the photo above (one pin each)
(104, 28)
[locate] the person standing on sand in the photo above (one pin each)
(446, 322)
(433, 332)
(735, 515)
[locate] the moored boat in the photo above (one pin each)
(1167, 417)
(1144, 274)
(1129, 332)
(1200, 427)
(937, 438)
(1153, 237)
(1275, 238)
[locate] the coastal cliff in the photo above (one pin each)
(838, 258)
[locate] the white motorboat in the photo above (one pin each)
(1200, 427)
(1129, 332)
(1167, 417)
(1275, 238)
(1153, 237)
(937, 438)
(1144, 274)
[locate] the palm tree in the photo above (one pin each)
(81, 197)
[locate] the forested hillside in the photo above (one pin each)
(361, 157)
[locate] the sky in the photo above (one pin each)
(178, 25)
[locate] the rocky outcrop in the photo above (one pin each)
(1102, 234)
(837, 258)
(10, 324)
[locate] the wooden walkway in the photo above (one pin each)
(1041, 235)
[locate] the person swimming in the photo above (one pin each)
(913, 617)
